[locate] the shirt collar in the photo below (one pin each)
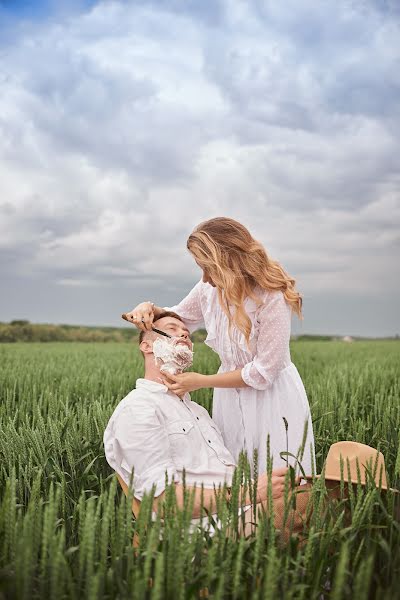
(149, 384)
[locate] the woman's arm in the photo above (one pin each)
(272, 352)
(271, 355)
(188, 382)
(189, 309)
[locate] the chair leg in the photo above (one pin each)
(135, 509)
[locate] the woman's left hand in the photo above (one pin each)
(184, 382)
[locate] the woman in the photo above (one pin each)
(245, 301)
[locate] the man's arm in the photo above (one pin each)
(209, 495)
(139, 442)
(209, 499)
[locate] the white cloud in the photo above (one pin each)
(123, 127)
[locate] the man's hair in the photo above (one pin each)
(164, 313)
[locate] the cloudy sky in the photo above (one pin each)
(124, 124)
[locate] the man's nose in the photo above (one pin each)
(184, 334)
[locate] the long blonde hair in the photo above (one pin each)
(237, 263)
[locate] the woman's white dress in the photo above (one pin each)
(275, 390)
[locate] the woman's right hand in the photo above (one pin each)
(142, 316)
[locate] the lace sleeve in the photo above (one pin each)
(272, 353)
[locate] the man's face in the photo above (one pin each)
(174, 328)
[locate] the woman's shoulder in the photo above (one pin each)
(205, 289)
(270, 297)
(265, 294)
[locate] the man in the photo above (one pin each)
(153, 431)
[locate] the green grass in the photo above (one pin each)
(66, 529)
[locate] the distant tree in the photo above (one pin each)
(199, 335)
(21, 330)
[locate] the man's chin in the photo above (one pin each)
(168, 370)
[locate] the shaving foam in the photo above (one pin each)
(171, 355)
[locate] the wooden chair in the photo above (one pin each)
(135, 508)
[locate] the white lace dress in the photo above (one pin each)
(275, 390)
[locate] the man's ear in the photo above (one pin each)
(146, 346)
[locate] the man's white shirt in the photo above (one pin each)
(153, 432)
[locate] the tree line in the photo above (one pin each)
(23, 331)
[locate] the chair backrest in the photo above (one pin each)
(135, 503)
(135, 508)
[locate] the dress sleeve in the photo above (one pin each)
(189, 309)
(272, 351)
(141, 444)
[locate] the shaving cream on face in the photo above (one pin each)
(171, 355)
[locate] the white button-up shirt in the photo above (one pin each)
(153, 432)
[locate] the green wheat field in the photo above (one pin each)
(66, 528)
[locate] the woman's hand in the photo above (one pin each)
(184, 382)
(142, 316)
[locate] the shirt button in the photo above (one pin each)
(184, 429)
(209, 441)
(198, 418)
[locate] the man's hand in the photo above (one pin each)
(185, 382)
(277, 481)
